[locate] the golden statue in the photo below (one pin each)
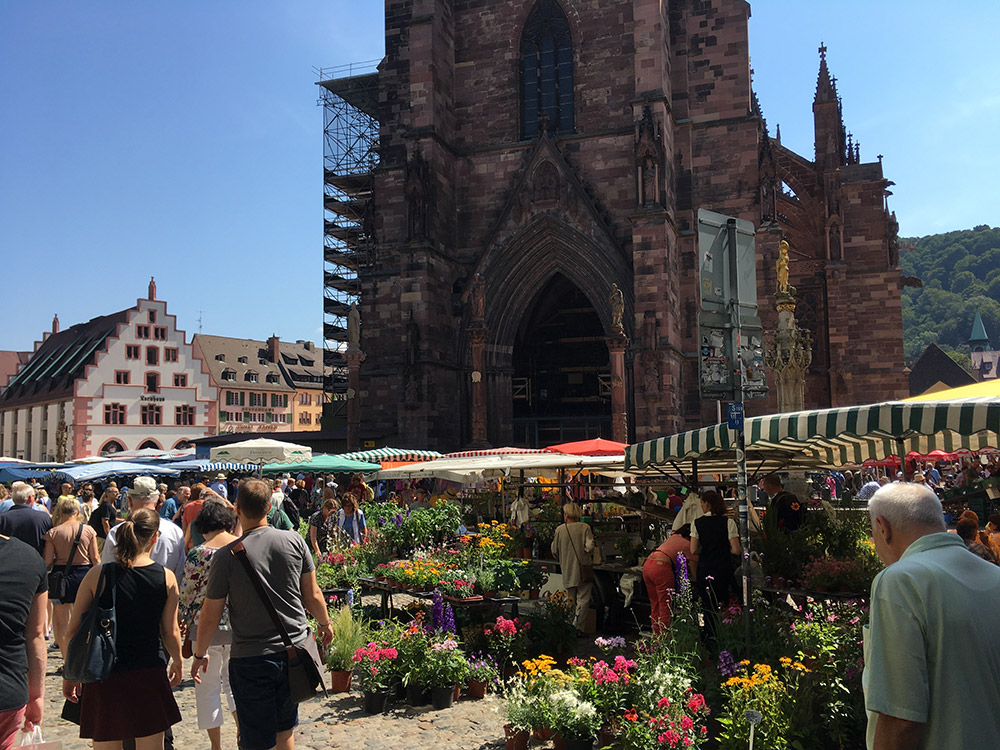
(783, 267)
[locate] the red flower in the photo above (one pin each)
(795, 506)
(632, 714)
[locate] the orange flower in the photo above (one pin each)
(632, 714)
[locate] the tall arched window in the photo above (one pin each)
(546, 70)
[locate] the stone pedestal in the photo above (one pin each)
(789, 355)
(617, 344)
(354, 359)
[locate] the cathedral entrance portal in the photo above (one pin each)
(561, 382)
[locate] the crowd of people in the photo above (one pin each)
(165, 553)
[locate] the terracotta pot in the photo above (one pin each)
(606, 737)
(374, 701)
(340, 681)
(489, 594)
(533, 593)
(476, 690)
(516, 739)
(526, 553)
(542, 733)
(558, 743)
(458, 691)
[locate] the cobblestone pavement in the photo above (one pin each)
(337, 721)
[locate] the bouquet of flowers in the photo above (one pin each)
(376, 665)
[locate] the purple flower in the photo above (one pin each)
(449, 619)
(727, 665)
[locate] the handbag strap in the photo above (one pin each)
(109, 577)
(241, 554)
(576, 550)
(72, 550)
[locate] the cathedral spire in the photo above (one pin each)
(826, 87)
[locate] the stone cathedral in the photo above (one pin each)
(531, 271)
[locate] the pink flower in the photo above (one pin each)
(663, 703)
(696, 703)
(687, 723)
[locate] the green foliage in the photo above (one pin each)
(960, 274)
(348, 637)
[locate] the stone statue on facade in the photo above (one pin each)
(477, 298)
(782, 266)
(617, 301)
(354, 327)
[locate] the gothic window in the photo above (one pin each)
(546, 70)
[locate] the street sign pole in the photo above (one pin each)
(741, 455)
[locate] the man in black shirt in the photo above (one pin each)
(104, 517)
(22, 521)
(784, 504)
(23, 600)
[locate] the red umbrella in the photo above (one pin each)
(595, 447)
(887, 461)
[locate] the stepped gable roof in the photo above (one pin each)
(241, 357)
(934, 366)
(61, 360)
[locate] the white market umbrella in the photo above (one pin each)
(262, 451)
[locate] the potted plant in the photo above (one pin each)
(553, 628)
(458, 590)
(444, 667)
(413, 648)
(348, 637)
(482, 671)
(374, 663)
(574, 719)
(505, 640)
(519, 709)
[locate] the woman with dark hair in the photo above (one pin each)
(715, 539)
(215, 522)
(351, 520)
(135, 701)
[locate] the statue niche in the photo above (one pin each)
(545, 185)
(648, 158)
(418, 197)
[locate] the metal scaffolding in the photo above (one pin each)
(349, 97)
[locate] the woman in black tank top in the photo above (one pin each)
(715, 541)
(136, 700)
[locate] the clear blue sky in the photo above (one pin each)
(182, 140)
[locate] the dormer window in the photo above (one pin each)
(272, 378)
(220, 357)
(241, 360)
(305, 362)
(250, 377)
(229, 374)
(263, 361)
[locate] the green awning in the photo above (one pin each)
(825, 438)
(322, 463)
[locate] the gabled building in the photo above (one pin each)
(124, 381)
(302, 365)
(253, 394)
(985, 359)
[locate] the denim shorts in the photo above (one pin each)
(264, 706)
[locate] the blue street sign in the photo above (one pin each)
(735, 414)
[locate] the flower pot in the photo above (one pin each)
(533, 593)
(489, 594)
(374, 701)
(458, 691)
(543, 734)
(567, 743)
(442, 697)
(476, 689)
(606, 737)
(417, 695)
(526, 553)
(463, 598)
(397, 689)
(340, 681)
(516, 739)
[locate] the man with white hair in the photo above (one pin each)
(21, 521)
(932, 669)
(169, 548)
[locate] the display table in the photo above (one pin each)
(386, 589)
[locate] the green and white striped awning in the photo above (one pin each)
(825, 438)
(379, 455)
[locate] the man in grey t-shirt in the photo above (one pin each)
(258, 667)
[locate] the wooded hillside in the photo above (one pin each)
(961, 276)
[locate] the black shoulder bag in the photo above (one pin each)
(91, 654)
(305, 680)
(58, 585)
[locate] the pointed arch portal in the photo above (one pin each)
(561, 370)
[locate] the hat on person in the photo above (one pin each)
(144, 487)
(220, 475)
(332, 485)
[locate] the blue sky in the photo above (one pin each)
(182, 140)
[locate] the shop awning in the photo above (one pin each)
(391, 455)
(204, 464)
(322, 463)
(261, 450)
(825, 438)
(506, 451)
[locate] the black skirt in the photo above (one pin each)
(129, 704)
(76, 575)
